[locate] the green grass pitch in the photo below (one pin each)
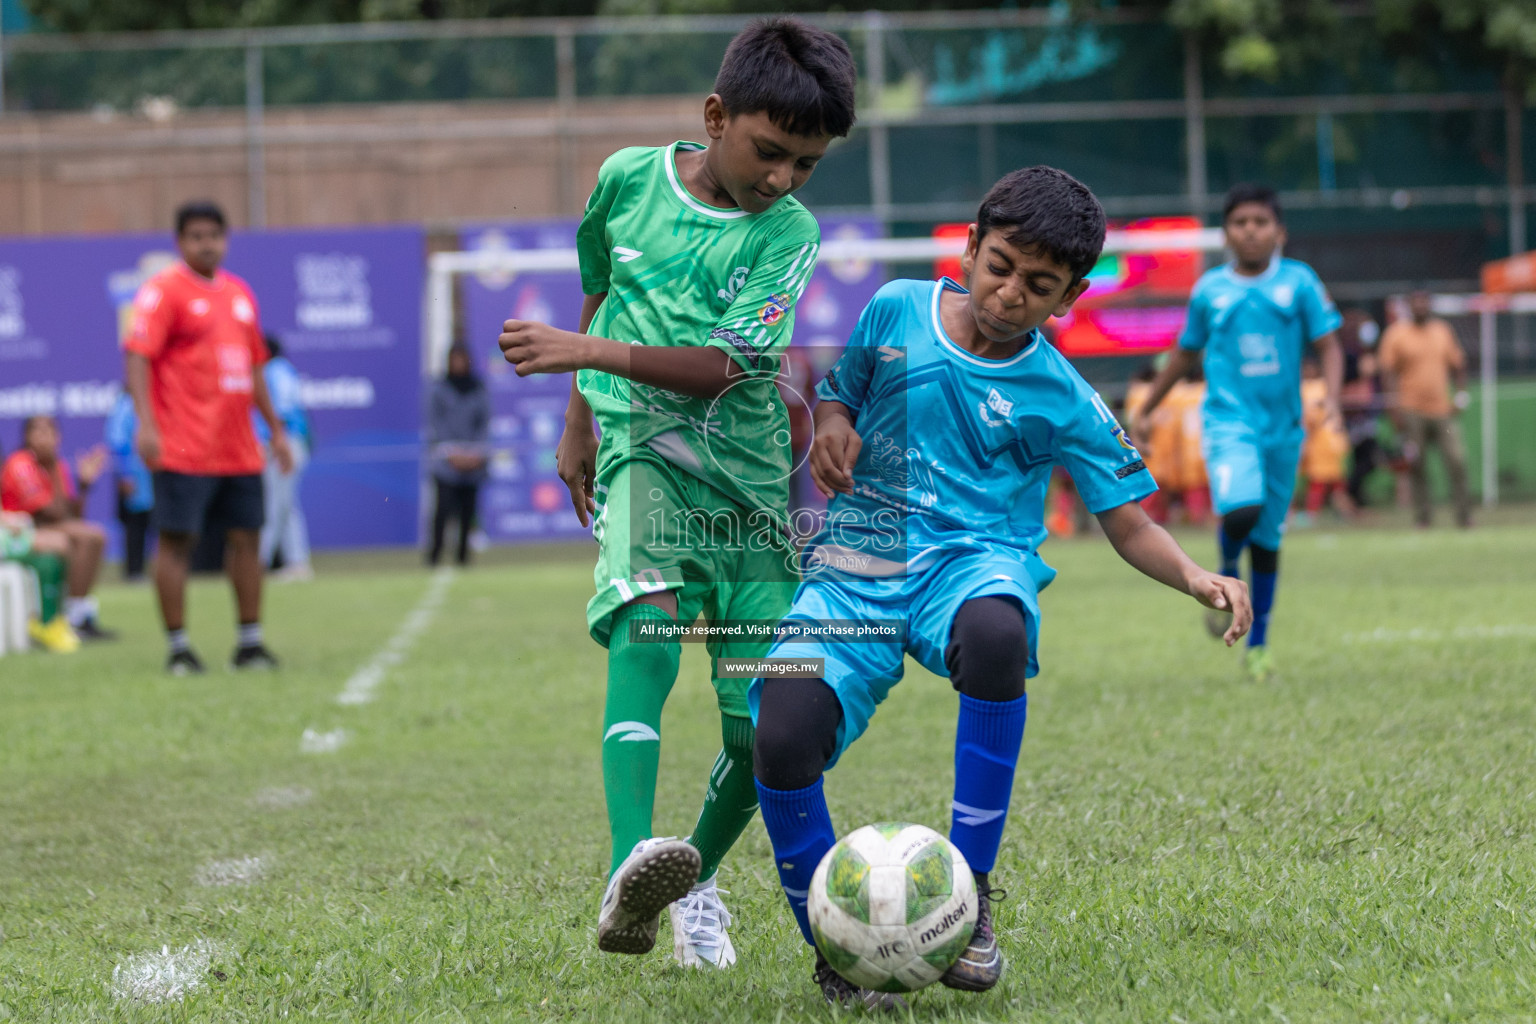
(1353, 842)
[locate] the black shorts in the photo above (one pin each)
(186, 503)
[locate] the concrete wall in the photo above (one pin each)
(438, 164)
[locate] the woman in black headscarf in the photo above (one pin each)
(458, 425)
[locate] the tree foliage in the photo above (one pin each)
(140, 15)
(1264, 39)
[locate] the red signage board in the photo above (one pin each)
(1135, 300)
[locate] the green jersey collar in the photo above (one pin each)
(669, 161)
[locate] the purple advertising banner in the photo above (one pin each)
(345, 303)
(524, 499)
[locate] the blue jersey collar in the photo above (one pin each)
(960, 353)
(1248, 282)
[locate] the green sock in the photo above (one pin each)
(640, 675)
(731, 799)
(50, 581)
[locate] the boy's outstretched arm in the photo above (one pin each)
(1150, 548)
(1180, 362)
(698, 371)
(1330, 352)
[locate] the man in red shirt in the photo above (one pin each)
(36, 481)
(194, 355)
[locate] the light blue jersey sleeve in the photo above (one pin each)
(1105, 466)
(1317, 310)
(849, 379)
(1197, 320)
(283, 387)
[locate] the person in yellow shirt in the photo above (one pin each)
(1190, 479)
(1324, 451)
(1419, 358)
(1160, 451)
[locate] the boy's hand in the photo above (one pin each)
(833, 454)
(1333, 415)
(88, 467)
(282, 451)
(533, 347)
(576, 462)
(1225, 594)
(147, 441)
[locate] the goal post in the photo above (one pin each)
(444, 267)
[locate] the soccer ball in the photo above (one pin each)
(892, 906)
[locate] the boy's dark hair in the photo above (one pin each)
(274, 346)
(198, 209)
(1048, 211)
(1248, 192)
(802, 77)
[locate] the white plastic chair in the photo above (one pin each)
(16, 586)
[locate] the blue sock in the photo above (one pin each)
(800, 829)
(1231, 551)
(987, 741)
(1263, 600)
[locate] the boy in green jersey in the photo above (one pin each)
(692, 260)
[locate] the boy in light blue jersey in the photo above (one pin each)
(937, 431)
(1251, 320)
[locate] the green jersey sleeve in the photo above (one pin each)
(592, 245)
(758, 323)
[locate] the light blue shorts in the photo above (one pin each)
(1245, 472)
(924, 604)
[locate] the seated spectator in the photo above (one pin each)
(41, 551)
(36, 481)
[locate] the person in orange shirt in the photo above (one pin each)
(36, 481)
(194, 356)
(1326, 446)
(1419, 358)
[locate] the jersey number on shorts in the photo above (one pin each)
(1223, 478)
(649, 581)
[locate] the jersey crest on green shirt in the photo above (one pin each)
(680, 272)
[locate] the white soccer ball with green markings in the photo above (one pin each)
(892, 906)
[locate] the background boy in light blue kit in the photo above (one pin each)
(936, 435)
(1250, 320)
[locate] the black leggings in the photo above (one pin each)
(797, 719)
(454, 501)
(135, 539)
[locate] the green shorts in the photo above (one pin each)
(659, 528)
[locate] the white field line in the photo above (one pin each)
(278, 798)
(313, 742)
(235, 871)
(360, 688)
(1382, 635)
(165, 976)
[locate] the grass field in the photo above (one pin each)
(1354, 842)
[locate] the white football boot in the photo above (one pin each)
(699, 920)
(656, 872)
